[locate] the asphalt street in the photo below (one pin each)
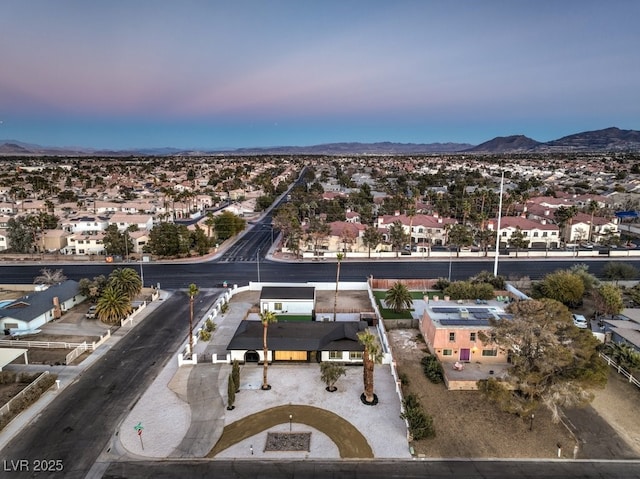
(78, 425)
(212, 273)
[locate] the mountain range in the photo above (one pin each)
(598, 141)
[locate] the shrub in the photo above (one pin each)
(404, 379)
(432, 369)
(235, 373)
(7, 377)
(420, 423)
(205, 335)
(231, 393)
(210, 326)
(441, 284)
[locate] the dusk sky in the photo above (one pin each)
(239, 73)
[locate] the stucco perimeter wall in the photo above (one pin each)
(342, 286)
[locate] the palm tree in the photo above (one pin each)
(398, 297)
(113, 305)
(370, 357)
(127, 281)
(339, 257)
(267, 317)
(50, 276)
(592, 207)
(193, 291)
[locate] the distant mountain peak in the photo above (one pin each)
(506, 144)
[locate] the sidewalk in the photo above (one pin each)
(66, 376)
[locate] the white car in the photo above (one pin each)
(580, 321)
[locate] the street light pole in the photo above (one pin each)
(531, 422)
(290, 419)
(258, 263)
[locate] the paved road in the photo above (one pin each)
(467, 469)
(79, 424)
(213, 273)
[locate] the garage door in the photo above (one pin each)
(291, 355)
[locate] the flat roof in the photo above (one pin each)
(453, 313)
(288, 292)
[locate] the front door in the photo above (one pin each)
(465, 354)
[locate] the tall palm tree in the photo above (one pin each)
(193, 292)
(339, 257)
(113, 305)
(371, 355)
(398, 297)
(126, 280)
(267, 317)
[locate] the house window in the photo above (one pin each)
(447, 352)
(544, 234)
(490, 352)
(472, 336)
(353, 355)
(277, 306)
(535, 234)
(452, 337)
(335, 354)
(504, 233)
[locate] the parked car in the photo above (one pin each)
(91, 313)
(580, 321)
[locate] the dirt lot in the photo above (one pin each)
(466, 425)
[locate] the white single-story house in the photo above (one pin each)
(294, 300)
(305, 341)
(39, 307)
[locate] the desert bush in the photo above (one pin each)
(420, 423)
(432, 369)
(205, 335)
(7, 377)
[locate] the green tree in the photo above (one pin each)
(459, 236)
(607, 300)
(127, 281)
(92, 289)
(231, 393)
(267, 317)
(235, 374)
(20, 235)
(200, 241)
(371, 355)
(398, 297)
(228, 225)
(371, 238)
(588, 280)
(397, 237)
(619, 271)
(116, 242)
(193, 292)
(330, 373)
(317, 232)
(518, 240)
(564, 217)
(113, 305)
(420, 423)
(164, 240)
(553, 363)
(562, 286)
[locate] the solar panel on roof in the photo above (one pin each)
(445, 310)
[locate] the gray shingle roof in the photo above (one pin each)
(34, 304)
(299, 336)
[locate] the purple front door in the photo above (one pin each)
(465, 354)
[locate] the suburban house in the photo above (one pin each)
(421, 229)
(542, 234)
(289, 300)
(585, 228)
(86, 224)
(123, 221)
(39, 307)
(84, 244)
(306, 341)
(623, 328)
(4, 240)
(451, 331)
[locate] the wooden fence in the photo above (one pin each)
(620, 369)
